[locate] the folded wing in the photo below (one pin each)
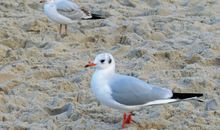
(66, 5)
(128, 90)
(71, 10)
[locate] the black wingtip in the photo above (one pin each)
(97, 16)
(185, 95)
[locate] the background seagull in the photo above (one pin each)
(65, 12)
(128, 93)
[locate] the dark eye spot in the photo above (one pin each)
(102, 61)
(110, 61)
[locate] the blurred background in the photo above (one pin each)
(171, 43)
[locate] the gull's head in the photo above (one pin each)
(103, 61)
(47, 1)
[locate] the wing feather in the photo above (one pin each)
(129, 90)
(71, 10)
(66, 5)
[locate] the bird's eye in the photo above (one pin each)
(110, 61)
(102, 61)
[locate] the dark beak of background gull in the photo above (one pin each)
(42, 1)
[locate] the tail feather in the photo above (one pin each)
(185, 95)
(176, 98)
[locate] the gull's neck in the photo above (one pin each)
(107, 72)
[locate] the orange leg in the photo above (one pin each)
(126, 119)
(129, 118)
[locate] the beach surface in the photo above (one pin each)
(169, 43)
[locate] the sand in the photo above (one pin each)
(170, 43)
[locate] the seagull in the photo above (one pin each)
(65, 12)
(127, 93)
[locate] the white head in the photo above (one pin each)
(103, 61)
(47, 1)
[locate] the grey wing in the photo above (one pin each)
(69, 9)
(66, 5)
(132, 91)
(73, 15)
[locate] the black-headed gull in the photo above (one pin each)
(65, 12)
(128, 93)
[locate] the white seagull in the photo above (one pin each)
(128, 93)
(65, 12)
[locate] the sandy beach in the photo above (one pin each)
(169, 43)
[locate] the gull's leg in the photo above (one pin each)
(60, 29)
(129, 118)
(65, 30)
(124, 120)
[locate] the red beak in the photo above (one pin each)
(90, 64)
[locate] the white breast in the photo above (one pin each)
(100, 89)
(103, 92)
